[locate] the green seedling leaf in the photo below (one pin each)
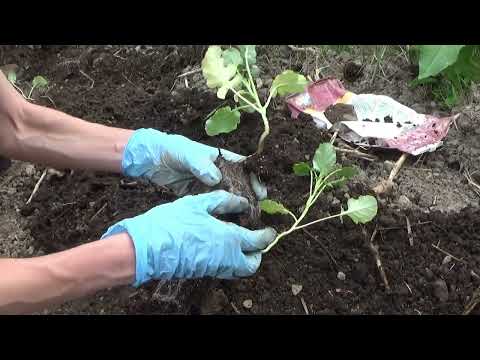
(343, 175)
(217, 73)
(417, 82)
(347, 172)
(255, 71)
(288, 82)
(362, 210)
(251, 54)
(232, 56)
(12, 77)
(224, 120)
(435, 58)
(39, 82)
(242, 103)
(301, 169)
(324, 159)
(467, 65)
(272, 207)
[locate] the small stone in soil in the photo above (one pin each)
(446, 260)
(247, 304)
(404, 201)
(29, 170)
(440, 290)
(341, 276)
(296, 288)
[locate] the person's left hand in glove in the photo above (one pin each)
(173, 160)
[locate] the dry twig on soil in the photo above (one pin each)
(474, 301)
(409, 231)
(302, 49)
(304, 304)
(88, 77)
(37, 186)
(472, 182)
(325, 250)
(98, 212)
(447, 253)
(191, 72)
(378, 262)
(386, 185)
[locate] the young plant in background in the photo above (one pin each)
(449, 68)
(38, 82)
(324, 174)
(234, 70)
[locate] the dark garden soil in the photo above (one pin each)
(137, 89)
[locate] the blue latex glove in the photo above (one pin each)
(172, 160)
(183, 240)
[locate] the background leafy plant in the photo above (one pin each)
(450, 69)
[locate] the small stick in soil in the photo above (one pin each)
(325, 250)
(474, 274)
(474, 301)
(409, 231)
(447, 253)
(37, 186)
(50, 99)
(334, 136)
(191, 72)
(304, 304)
(376, 255)
(401, 227)
(472, 182)
(408, 287)
(89, 78)
(386, 185)
(357, 153)
(98, 212)
(302, 49)
(234, 308)
(118, 56)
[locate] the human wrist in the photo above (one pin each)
(136, 156)
(140, 238)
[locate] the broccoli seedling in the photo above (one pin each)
(324, 174)
(37, 82)
(233, 70)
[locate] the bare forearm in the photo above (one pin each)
(29, 285)
(53, 138)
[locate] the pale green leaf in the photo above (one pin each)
(343, 175)
(12, 77)
(301, 169)
(251, 53)
(324, 159)
(288, 82)
(234, 83)
(232, 56)
(362, 210)
(272, 207)
(224, 120)
(39, 82)
(215, 71)
(435, 58)
(255, 71)
(241, 102)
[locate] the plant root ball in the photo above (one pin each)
(236, 180)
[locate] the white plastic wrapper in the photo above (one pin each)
(380, 120)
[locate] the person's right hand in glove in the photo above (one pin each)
(183, 239)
